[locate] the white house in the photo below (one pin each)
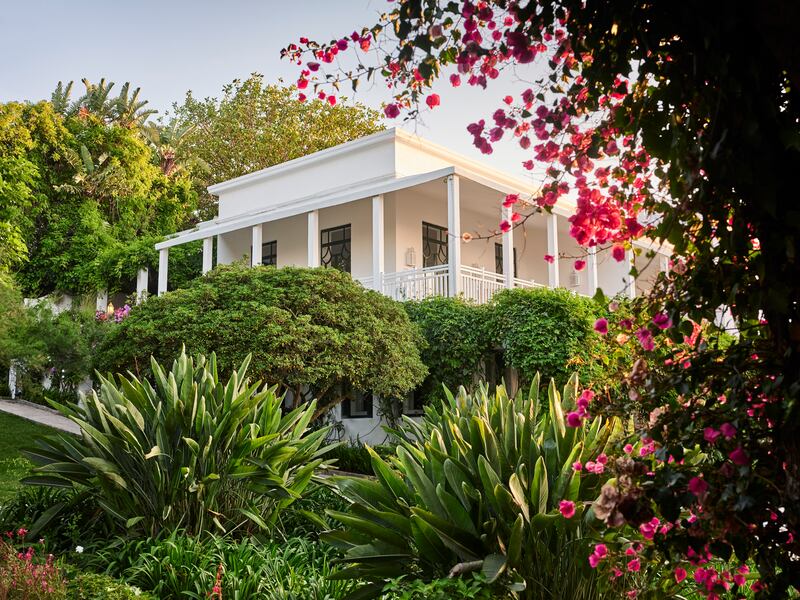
(393, 210)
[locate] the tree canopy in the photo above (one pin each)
(315, 331)
(676, 121)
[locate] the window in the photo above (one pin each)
(335, 248)
(413, 403)
(269, 253)
(359, 407)
(498, 259)
(434, 245)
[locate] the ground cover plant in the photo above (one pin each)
(314, 331)
(486, 483)
(16, 433)
(190, 450)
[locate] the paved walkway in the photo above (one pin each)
(38, 414)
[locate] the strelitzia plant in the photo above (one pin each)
(486, 483)
(187, 451)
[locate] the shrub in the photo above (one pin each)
(25, 574)
(94, 586)
(64, 518)
(480, 487)
(547, 331)
(464, 588)
(314, 330)
(180, 566)
(191, 451)
(456, 341)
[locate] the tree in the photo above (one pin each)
(254, 126)
(679, 121)
(315, 331)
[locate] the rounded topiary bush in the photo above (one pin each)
(314, 330)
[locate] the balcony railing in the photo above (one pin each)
(478, 285)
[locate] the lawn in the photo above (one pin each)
(15, 433)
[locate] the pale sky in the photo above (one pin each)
(171, 46)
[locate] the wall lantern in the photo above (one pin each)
(411, 257)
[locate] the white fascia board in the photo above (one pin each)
(303, 205)
(302, 162)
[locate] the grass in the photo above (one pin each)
(15, 433)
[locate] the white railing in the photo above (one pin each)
(524, 283)
(417, 284)
(365, 281)
(480, 285)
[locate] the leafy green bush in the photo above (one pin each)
(456, 341)
(464, 588)
(314, 330)
(179, 566)
(355, 458)
(65, 519)
(547, 331)
(190, 452)
(94, 586)
(489, 483)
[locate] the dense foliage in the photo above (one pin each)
(528, 330)
(189, 451)
(254, 126)
(486, 483)
(315, 331)
(689, 112)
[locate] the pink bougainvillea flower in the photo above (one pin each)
(728, 430)
(433, 100)
(567, 508)
(392, 111)
(634, 565)
(549, 258)
(505, 226)
(508, 99)
(645, 338)
(511, 200)
(573, 420)
(680, 574)
(580, 265)
(332, 100)
(662, 321)
(601, 326)
(618, 252)
(698, 486)
(594, 560)
(711, 435)
(600, 550)
(455, 80)
(739, 457)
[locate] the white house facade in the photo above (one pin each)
(393, 210)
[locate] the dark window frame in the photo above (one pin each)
(498, 259)
(338, 253)
(269, 253)
(367, 402)
(435, 248)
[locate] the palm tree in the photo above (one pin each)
(166, 141)
(129, 110)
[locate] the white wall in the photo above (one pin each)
(233, 246)
(359, 215)
(325, 176)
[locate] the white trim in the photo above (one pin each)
(378, 257)
(303, 205)
(454, 233)
(313, 239)
(591, 265)
(552, 249)
(257, 240)
(208, 251)
(508, 250)
(163, 265)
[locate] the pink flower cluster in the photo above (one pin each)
(24, 574)
(576, 417)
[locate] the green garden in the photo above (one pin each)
(560, 446)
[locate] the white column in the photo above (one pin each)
(101, 302)
(208, 254)
(663, 261)
(255, 252)
(163, 265)
(142, 278)
(313, 238)
(454, 234)
(591, 275)
(552, 250)
(378, 258)
(630, 280)
(508, 251)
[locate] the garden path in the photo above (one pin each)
(39, 414)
